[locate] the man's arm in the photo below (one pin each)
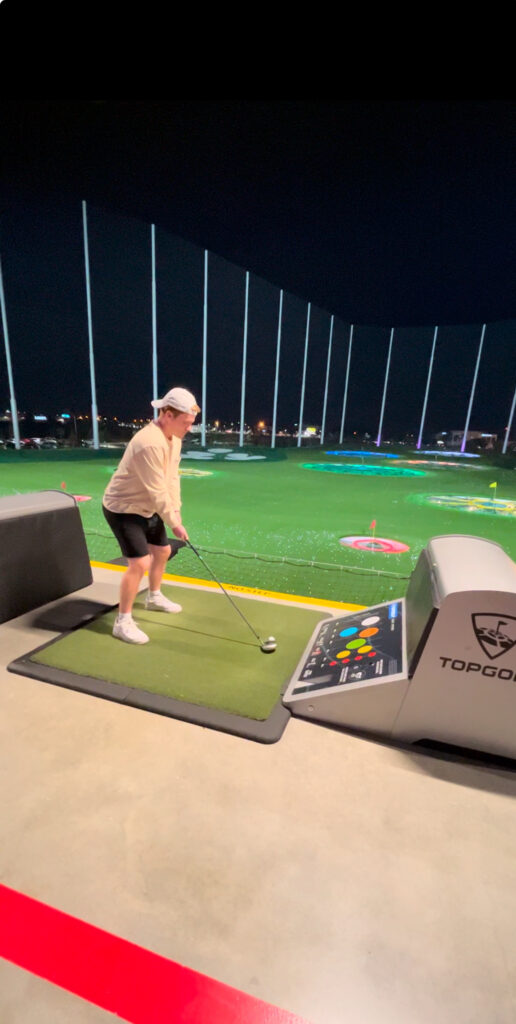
(149, 466)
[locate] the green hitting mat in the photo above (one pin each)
(202, 665)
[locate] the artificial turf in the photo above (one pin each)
(205, 655)
(273, 524)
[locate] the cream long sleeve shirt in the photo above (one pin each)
(147, 479)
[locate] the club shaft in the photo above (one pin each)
(224, 591)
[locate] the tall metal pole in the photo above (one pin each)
(301, 407)
(419, 440)
(14, 407)
(508, 431)
(154, 328)
(204, 349)
(244, 361)
(473, 386)
(379, 438)
(346, 385)
(94, 413)
(278, 347)
(323, 425)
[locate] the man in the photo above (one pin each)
(142, 496)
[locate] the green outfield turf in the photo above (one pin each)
(271, 523)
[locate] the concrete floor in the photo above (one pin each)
(335, 877)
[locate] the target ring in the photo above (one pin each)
(381, 545)
(472, 503)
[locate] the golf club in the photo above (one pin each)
(267, 646)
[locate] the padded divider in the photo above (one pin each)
(43, 552)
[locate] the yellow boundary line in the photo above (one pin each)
(245, 590)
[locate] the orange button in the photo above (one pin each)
(369, 632)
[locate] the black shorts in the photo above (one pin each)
(135, 533)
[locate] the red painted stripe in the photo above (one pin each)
(125, 979)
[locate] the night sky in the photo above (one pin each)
(382, 213)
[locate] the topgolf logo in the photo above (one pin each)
(496, 634)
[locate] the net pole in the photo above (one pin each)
(423, 414)
(341, 435)
(379, 438)
(278, 348)
(509, 425)
(94, 411)
(12, 397)
(244, 361)
(154, 321)
(302, 405)
(204, 349)
(325, 404)
(473, 386)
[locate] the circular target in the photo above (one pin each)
(195, 473)
(474, 503)
(375, 544)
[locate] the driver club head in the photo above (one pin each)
(269, 645)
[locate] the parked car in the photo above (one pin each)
(25, 442)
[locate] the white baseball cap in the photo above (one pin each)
(178, 398)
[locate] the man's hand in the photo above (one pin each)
(180, 532)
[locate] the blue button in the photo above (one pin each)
(349, 631)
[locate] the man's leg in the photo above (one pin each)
(158, 559)
(125, 627)
(155, 600)
(131, 581)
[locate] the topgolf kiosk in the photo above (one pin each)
(437, 666)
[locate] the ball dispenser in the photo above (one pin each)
(438, 665)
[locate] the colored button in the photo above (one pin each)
(343, 654)
(370, 621)
(349, 631)
(372, 654)
(365, 649)
(368, 632)
(354, 644)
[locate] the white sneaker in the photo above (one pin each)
(126, 629)
(160, 603)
